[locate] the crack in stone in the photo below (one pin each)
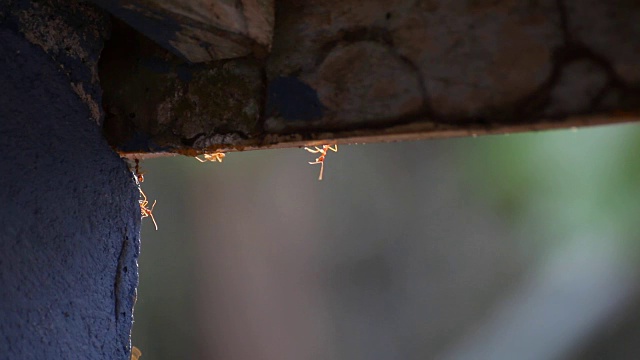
(120, 269)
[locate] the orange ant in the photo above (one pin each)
(135, 353)
(216, 156)
(323, 153)
(146, 212)
(139, 175)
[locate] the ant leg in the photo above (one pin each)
(197, 158)
(154, 222)
(334, 148)
(321, 170)
(143, 196)
(151, 214)
(312, 150)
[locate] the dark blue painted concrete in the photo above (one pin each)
(69, 219)
(292, 99)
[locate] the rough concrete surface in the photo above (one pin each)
(72, 34)
(69, 220)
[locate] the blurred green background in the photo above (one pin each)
(501, 247)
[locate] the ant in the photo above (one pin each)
(135, 353)
(216, 156)
(146, 212)
(323, 153)
(139, 175)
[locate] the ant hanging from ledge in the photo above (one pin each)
(323, 154)
(216, 156)
(139, 174)
(144, 210)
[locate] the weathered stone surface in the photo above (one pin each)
(580, 85)
(156, 102)
(201, 30)
(468, 55)
(610, 29)
(343, 71)
(481, 54)
(351, 95)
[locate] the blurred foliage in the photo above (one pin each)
(553, 185)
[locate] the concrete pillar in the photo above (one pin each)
(69, 216)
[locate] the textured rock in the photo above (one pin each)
(155, 101)
(201, 30)
(579, 86)
(352, 96)
(344, 71)
(610, 29)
